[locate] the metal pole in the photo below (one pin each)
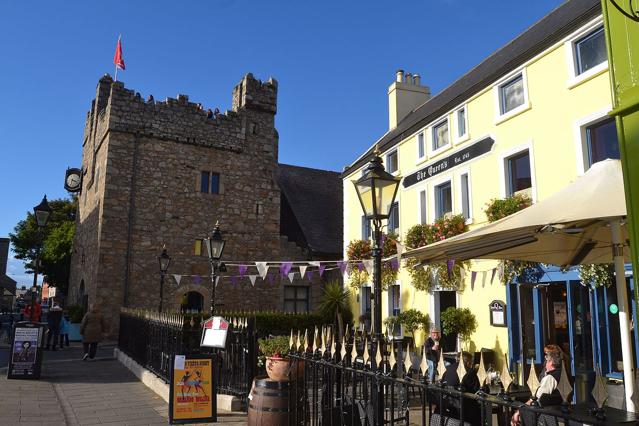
(213, 275)
(161, 290)
(34, 288)
(622, 300)
(377, 312)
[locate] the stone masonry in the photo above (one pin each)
(142, 162)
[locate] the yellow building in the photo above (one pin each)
(528, 119)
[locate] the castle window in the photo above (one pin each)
(204, 182)
(295, 299)
(209, 182)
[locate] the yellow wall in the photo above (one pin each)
(548, 127)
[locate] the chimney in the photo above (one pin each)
(404, 95)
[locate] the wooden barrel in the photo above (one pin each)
(269, 403)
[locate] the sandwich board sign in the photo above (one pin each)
(26, 351)
(214, 332)
(192, 391)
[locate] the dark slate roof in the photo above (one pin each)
(315, 196)
(549, 30)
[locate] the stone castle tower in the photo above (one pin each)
(143, 164)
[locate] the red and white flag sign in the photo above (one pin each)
(118, 60)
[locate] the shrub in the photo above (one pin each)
(281, 323)
(460, 321)
(411, 319)
(500, 208)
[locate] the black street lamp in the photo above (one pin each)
(42, 213)
(215, 247)
(165, 261)
(376, 190)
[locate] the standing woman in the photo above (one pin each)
(92, 328)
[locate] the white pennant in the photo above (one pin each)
(462, 274)
(369, 265)
(252, 278)
(400, 250)
(483, 279)
(291, 276)
(262, 268)
(217, 281)
(303, 270)
(178, 278)
(316, 264)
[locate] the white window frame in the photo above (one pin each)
(386, 155)
(433, 188)
(459, 201)
(499, 117)
(575, 79)
(422, 219)
(424, 148)
(399, 218)
(461, 138)
(580, 139)
(432, 151)
(505, 155)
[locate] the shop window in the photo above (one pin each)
(590, 51)
(421, 151)
(518, 173)
(394, 306)
(295, 299)
(465, 196)
(393, 218)
(366, 228)
(512, 94)
(391, 162)
(443, 200)
(601, 141)
(440, 135)
(422, 207)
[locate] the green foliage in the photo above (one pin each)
(411, 319)
(76, 313)
(460, 321)
(277, 346)
(56, 239)
(335, 303)
(362, 249)
(425, 234)
(595, 276)
(279, 323)
(500, 208)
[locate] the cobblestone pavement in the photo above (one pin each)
(73, 392)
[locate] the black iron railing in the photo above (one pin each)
(152, 339)
(338, 387)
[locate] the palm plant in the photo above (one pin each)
(334, 303)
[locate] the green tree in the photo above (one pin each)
(460, 321)
(334, 303)
(56, 239)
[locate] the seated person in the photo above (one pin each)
(469, 383)
(547, 393)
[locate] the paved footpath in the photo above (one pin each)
(73, 392)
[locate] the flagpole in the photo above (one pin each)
(116, 65)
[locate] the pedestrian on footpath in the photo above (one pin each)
(92, 328)
(37, 311)
(64, 329)
(54, 318)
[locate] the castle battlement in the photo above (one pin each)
(117, 108)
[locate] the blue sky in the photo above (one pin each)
(334, 61)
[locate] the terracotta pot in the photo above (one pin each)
(281, 369)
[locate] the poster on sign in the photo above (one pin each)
(26, 356)
(214, 332)
(192, 398)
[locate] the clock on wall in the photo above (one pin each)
(73, 180)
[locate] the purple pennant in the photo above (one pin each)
(197, 279)
(309, 275)
(360, 266)
(242, 269)
(342, 265)
(233, 280)
(449, 265)
(492, 277)
(271, 278)
(322, 267)
(394, 264)
(285, 268)
(473, 277)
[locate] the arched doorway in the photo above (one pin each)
(192, 301)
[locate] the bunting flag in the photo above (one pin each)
(217, 280)
(233, 280)
(492, 277)
(291, 276)
(360, 266)
(394, 263)
(400, 250)
(322, 268)
(342, 266)
(309, 275)
(473, 277)
(262, 269)
(483, 279)
(303, 270)
(449, 264)
(285, 268)
(462, 274)
(500, 273)
(197, 280)
(369, 264)
(242, 270)
(177, 278)
(271, 278)
(252, 278)
(314, 263)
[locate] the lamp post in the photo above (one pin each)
(376, 190)
(164, 260)
(42, 212)
(215, 247)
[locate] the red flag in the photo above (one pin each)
(118, 60)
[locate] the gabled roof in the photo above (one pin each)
(315, 197)
(549, 30)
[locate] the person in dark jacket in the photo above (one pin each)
(54, 317)
(92, 329)
(432, 349)
(469, 383)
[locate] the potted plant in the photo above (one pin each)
(411, 319)
(460, 321)
(276, 349)
(76, 313)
